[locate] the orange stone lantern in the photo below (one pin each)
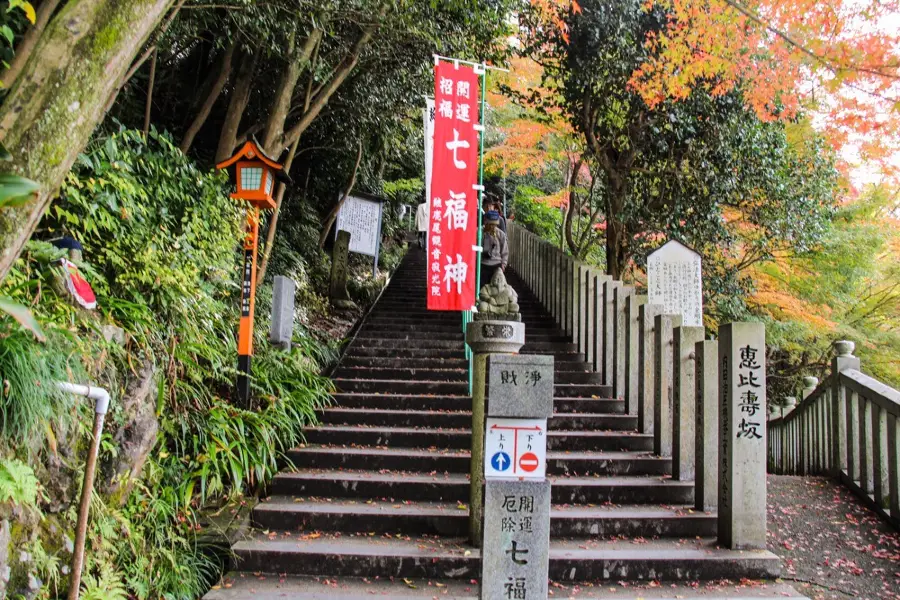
(254, 174)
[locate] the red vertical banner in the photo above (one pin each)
(454, 199)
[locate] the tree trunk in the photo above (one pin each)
(148, 108)
(240, 96)
(214, 91)
(59, 98)
(324, 95)
(284, 93)
(329, 220)
(273, 222)
(26, 45)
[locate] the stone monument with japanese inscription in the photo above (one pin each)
(674, 280)
(282, 327)
(339, 256)
(516, 547)
(742, 436)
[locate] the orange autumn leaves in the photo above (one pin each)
(838, 61)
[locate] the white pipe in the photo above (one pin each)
(99, 395)
(101, 404)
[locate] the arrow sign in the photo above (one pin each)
(500, 461)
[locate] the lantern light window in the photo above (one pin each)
(251, 178)
(268, 184)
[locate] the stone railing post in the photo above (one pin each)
(600, 282)
(787, 444)
(620, 297)
(607, 352)
(632, 350)
(742, 431)
(706, 442)
(840, 404)
(663, 359)
(646, 365)
(684, 403)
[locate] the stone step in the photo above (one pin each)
(368, 352)
(400, 386)
(454, 487)
(457, 461)
(444, 374)
(463, 419)
(456, 336)
(421, 344)
(454, 403)
(547, 347)
(407, 437)
(389, 362)
(240, 586)
(451, 558)
(428, 374)
(451, 519)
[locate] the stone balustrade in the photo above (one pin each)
(668, 377)
(847, 426)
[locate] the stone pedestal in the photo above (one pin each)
(742, 436)
(282, 327)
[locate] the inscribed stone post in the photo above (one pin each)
(663, 349)
(516, 554)
(338, 288)
(620, 295)
(646, 366)
(674, 279)
(632, 316)
(742, 436)
(707, 434)
(684, 403)
(516, 548)
(282, 324)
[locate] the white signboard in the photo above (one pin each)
(362, 218)
(428, 117)
(515, 448)
(674, 280)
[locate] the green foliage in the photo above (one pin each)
(535, 215)
(18, 484)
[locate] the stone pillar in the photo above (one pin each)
(632, 350)
(893, 446)
(787, 446)
(684, 402)
(620, 296)
(707, 433)
(646, 376)
(338, 288)
(609, 322)
(281, 329)
(516, 549)
(484, 337)
(663, 348)
(842, 361)
(742, 436)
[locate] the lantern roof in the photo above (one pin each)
(251, 150)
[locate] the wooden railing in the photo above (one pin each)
(848, 426)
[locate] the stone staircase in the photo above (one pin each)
(379, 489)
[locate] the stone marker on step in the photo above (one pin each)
(338, 289)
(515, 552)
(282, 327)
(742, 436)
(674, 280)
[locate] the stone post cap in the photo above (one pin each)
(486, 337)
(844, 348)
(789, 401)
(810, 382)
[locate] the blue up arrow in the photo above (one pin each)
(500, 461)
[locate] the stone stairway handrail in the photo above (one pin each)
(847, 427)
